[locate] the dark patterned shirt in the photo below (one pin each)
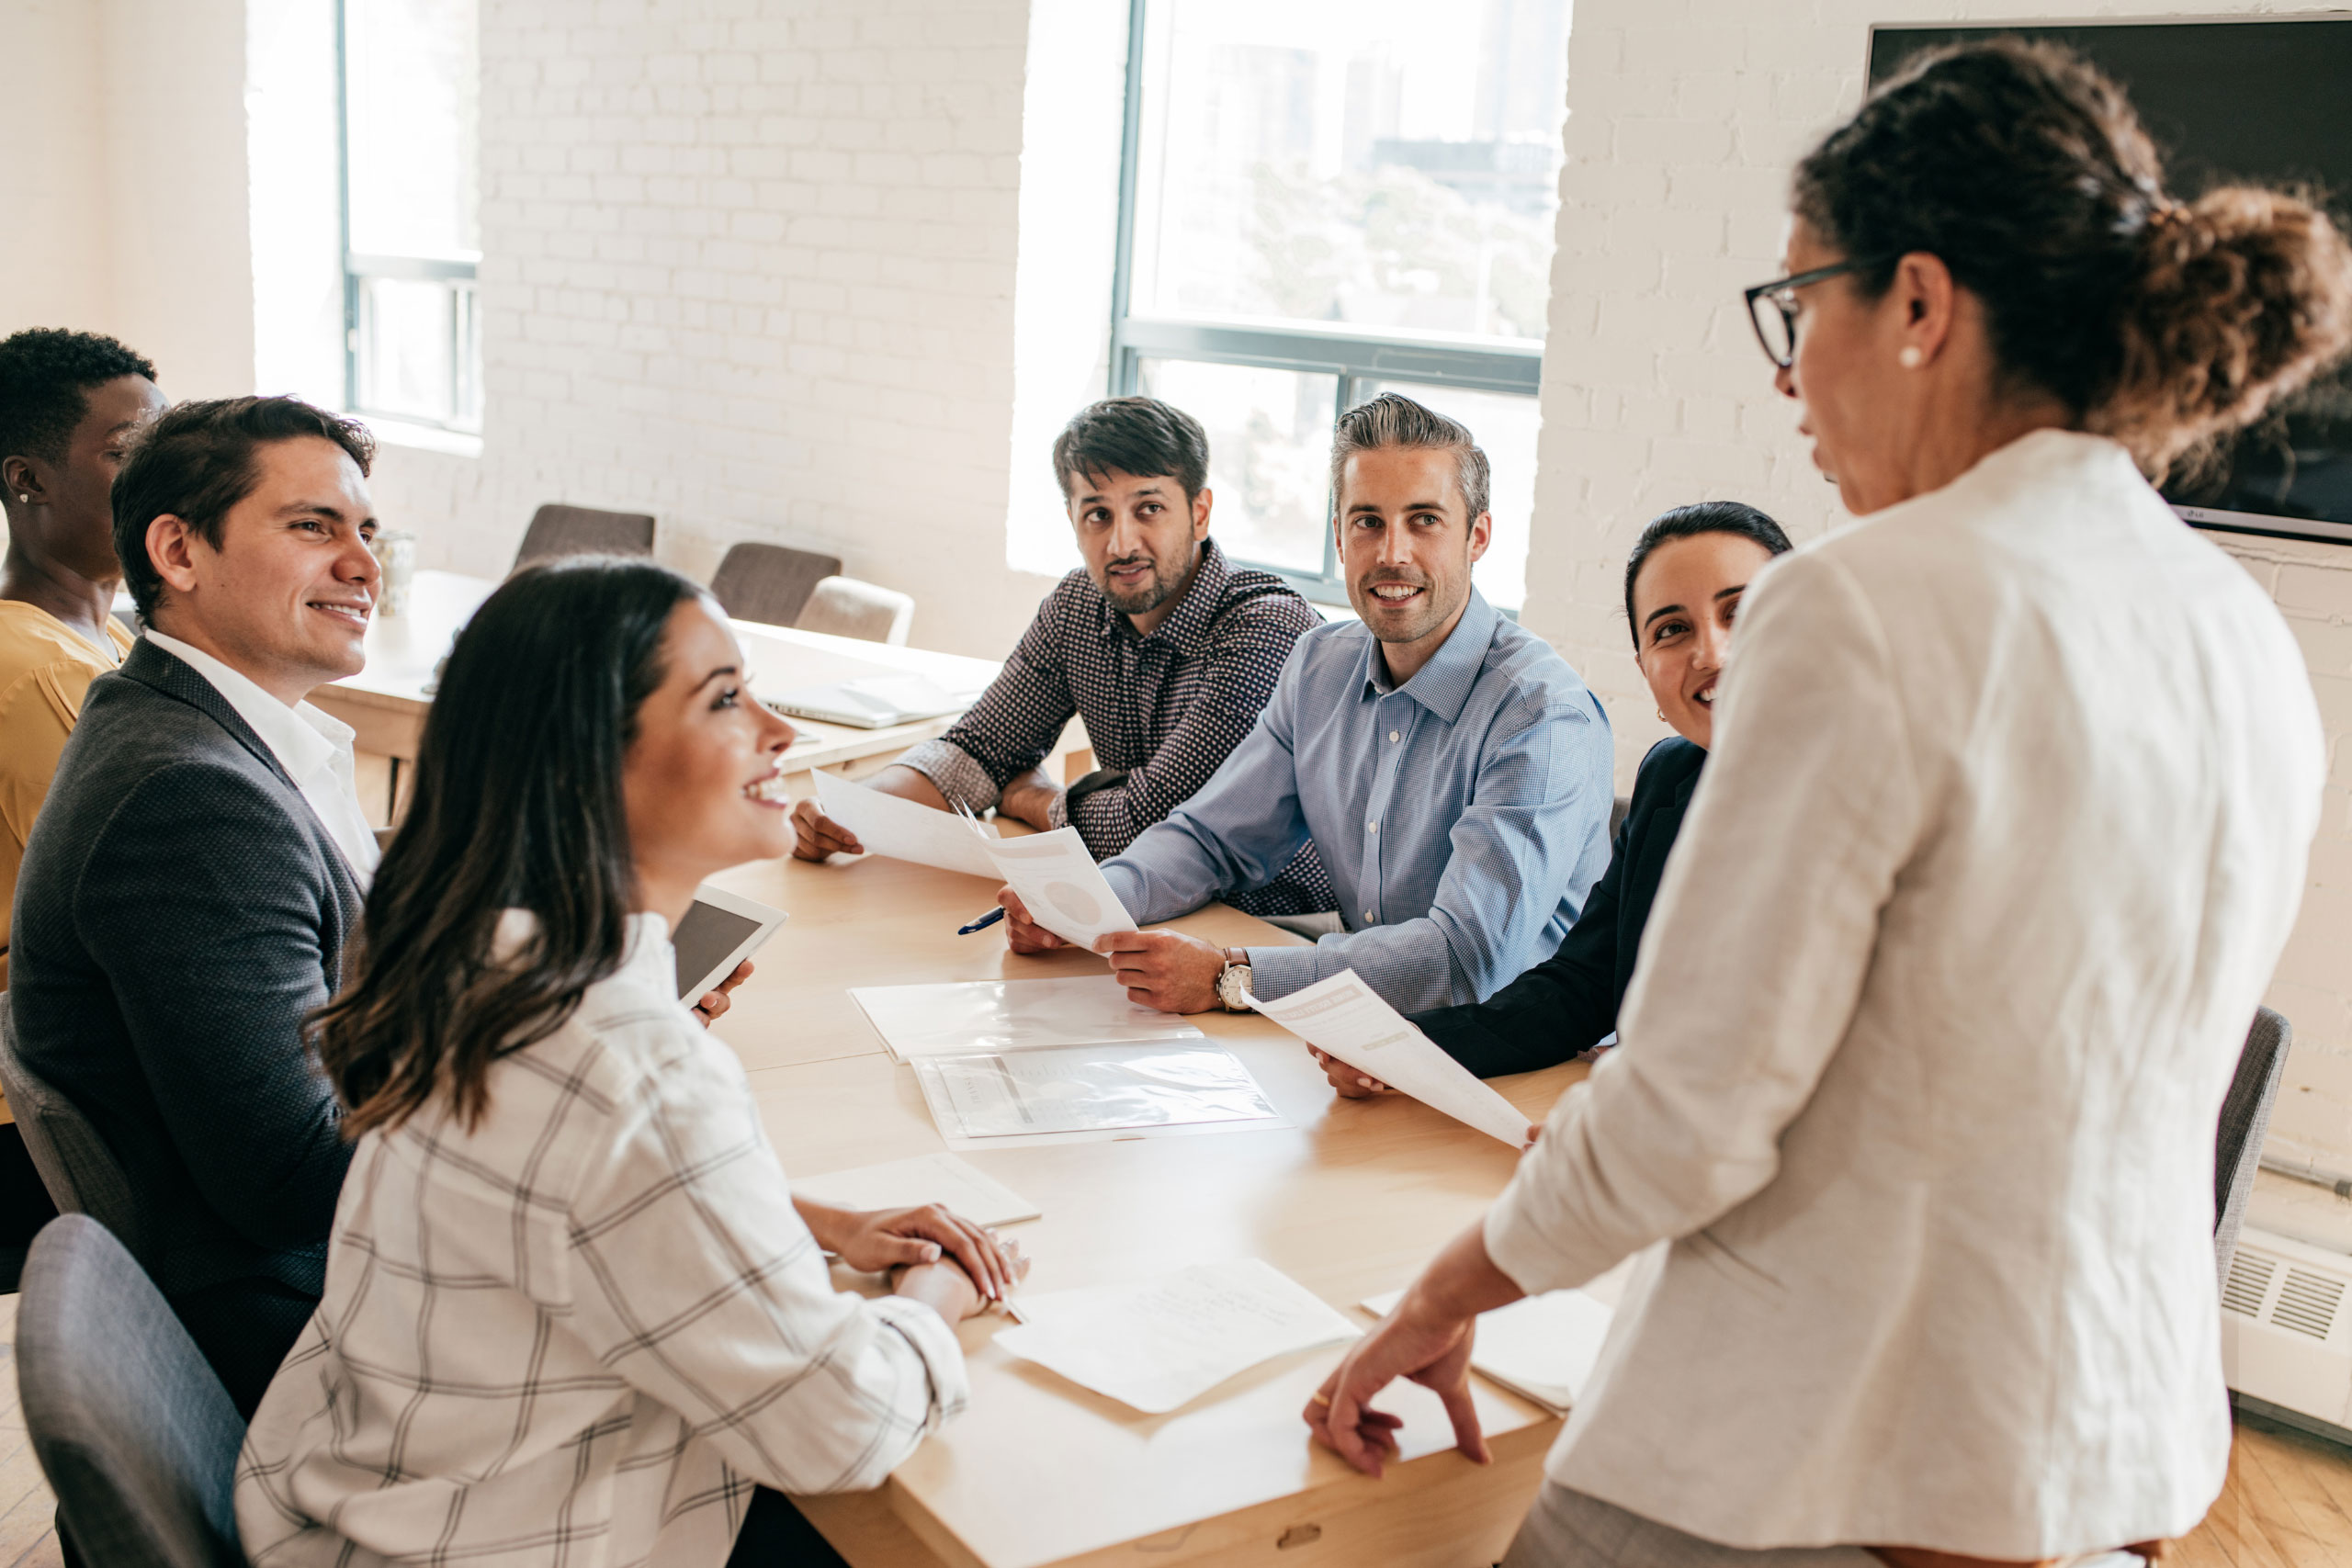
(1161, 711)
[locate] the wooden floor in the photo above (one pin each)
(2288, 1504)
(28, 1536)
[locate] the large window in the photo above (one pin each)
(1323, 200)
(412, 238)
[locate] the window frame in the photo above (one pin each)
(460, 270)
(1351, 355)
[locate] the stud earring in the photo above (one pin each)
(1911, 358)
(25, 500)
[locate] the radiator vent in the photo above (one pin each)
(2250, 1276)
(2308, 1302)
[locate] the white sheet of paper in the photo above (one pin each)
(1087, 1089)
(1342, 1017)
(1061, 885)
(1162, 1343)
(886, 825)
(1542, 1347)
(926, 1178)
(1009, 1015)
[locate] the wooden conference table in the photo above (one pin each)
(1349, 1202)
(386, 703)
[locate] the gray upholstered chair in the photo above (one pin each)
(559, 530)
(2245, 1118)
(846, 607)
(135, 1434)
(80, 1173)
(770, 583)
(1618, 812)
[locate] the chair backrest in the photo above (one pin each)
(1622, 808)
(80, 1173)
(2245, 1118)
(583, 531)
(770, 583)
(846, 607)
(135, 1435)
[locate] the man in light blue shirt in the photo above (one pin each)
(1454, 772)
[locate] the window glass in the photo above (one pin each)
(1270, 454)
(412, 80)
(1505, 426)
(416, 349)
(1373, 164)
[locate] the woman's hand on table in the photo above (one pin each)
(875, 1240)
(1024, 934)
(714, 1004)
(1432, 1350)
(1349, 1083)
(1427, 1338)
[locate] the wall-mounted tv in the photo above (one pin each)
(2263, 100)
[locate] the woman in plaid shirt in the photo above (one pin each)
(572, 1311)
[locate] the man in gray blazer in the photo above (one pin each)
(197, 867)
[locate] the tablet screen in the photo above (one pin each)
(706, 936)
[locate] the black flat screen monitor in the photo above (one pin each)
(2266, 101)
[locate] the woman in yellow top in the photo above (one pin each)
(68, 404)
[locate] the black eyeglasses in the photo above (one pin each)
(1776, 328)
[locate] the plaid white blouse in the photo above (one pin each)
(581, 1332)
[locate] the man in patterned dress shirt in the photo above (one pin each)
(1167, 651)
(1452, 770)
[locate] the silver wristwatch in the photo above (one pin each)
(1233, 981)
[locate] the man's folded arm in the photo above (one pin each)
(206, 907)
(1008, 731)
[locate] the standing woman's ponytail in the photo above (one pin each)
(2244, 296)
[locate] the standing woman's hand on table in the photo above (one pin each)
(1426, 1338)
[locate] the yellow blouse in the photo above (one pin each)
(44, 670)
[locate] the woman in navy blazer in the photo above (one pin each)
(1683, 583)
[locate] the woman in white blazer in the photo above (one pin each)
(2004, 830)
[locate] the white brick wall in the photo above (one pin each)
(1685, 117)
(749, 266)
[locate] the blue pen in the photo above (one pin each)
(983, 923)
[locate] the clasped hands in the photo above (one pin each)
(957, 1268)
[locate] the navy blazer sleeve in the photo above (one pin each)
(1565, 1005)
(213, 943)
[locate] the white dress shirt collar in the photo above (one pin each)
(314, 747)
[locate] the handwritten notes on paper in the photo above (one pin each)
(1006, 1015)
(902, 830)
(1342, 1017)
(1164, 1343)
(1541, 1347)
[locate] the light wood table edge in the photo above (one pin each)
(1349, 1519)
